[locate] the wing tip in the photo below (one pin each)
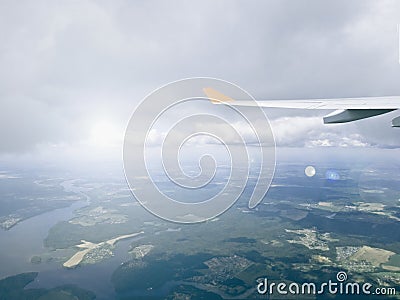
(216, 97)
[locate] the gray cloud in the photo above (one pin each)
(65, 65)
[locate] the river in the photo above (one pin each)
(25, 240)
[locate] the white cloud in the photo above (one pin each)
(311, 132)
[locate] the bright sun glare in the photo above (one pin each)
(105, 134)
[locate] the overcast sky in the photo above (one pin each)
(72, 72)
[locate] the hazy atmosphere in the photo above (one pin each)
(119, 180)
(73, 72)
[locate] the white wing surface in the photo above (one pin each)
(347, 109)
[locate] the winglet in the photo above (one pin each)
(216, 97)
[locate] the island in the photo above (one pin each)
(103, 249)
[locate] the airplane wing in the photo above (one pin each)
(346, 109)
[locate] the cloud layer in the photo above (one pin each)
(67, 66)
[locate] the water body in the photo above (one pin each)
(93, 277)
(25, 240)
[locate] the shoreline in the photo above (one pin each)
(77, 258)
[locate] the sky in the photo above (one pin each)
(72, 72)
